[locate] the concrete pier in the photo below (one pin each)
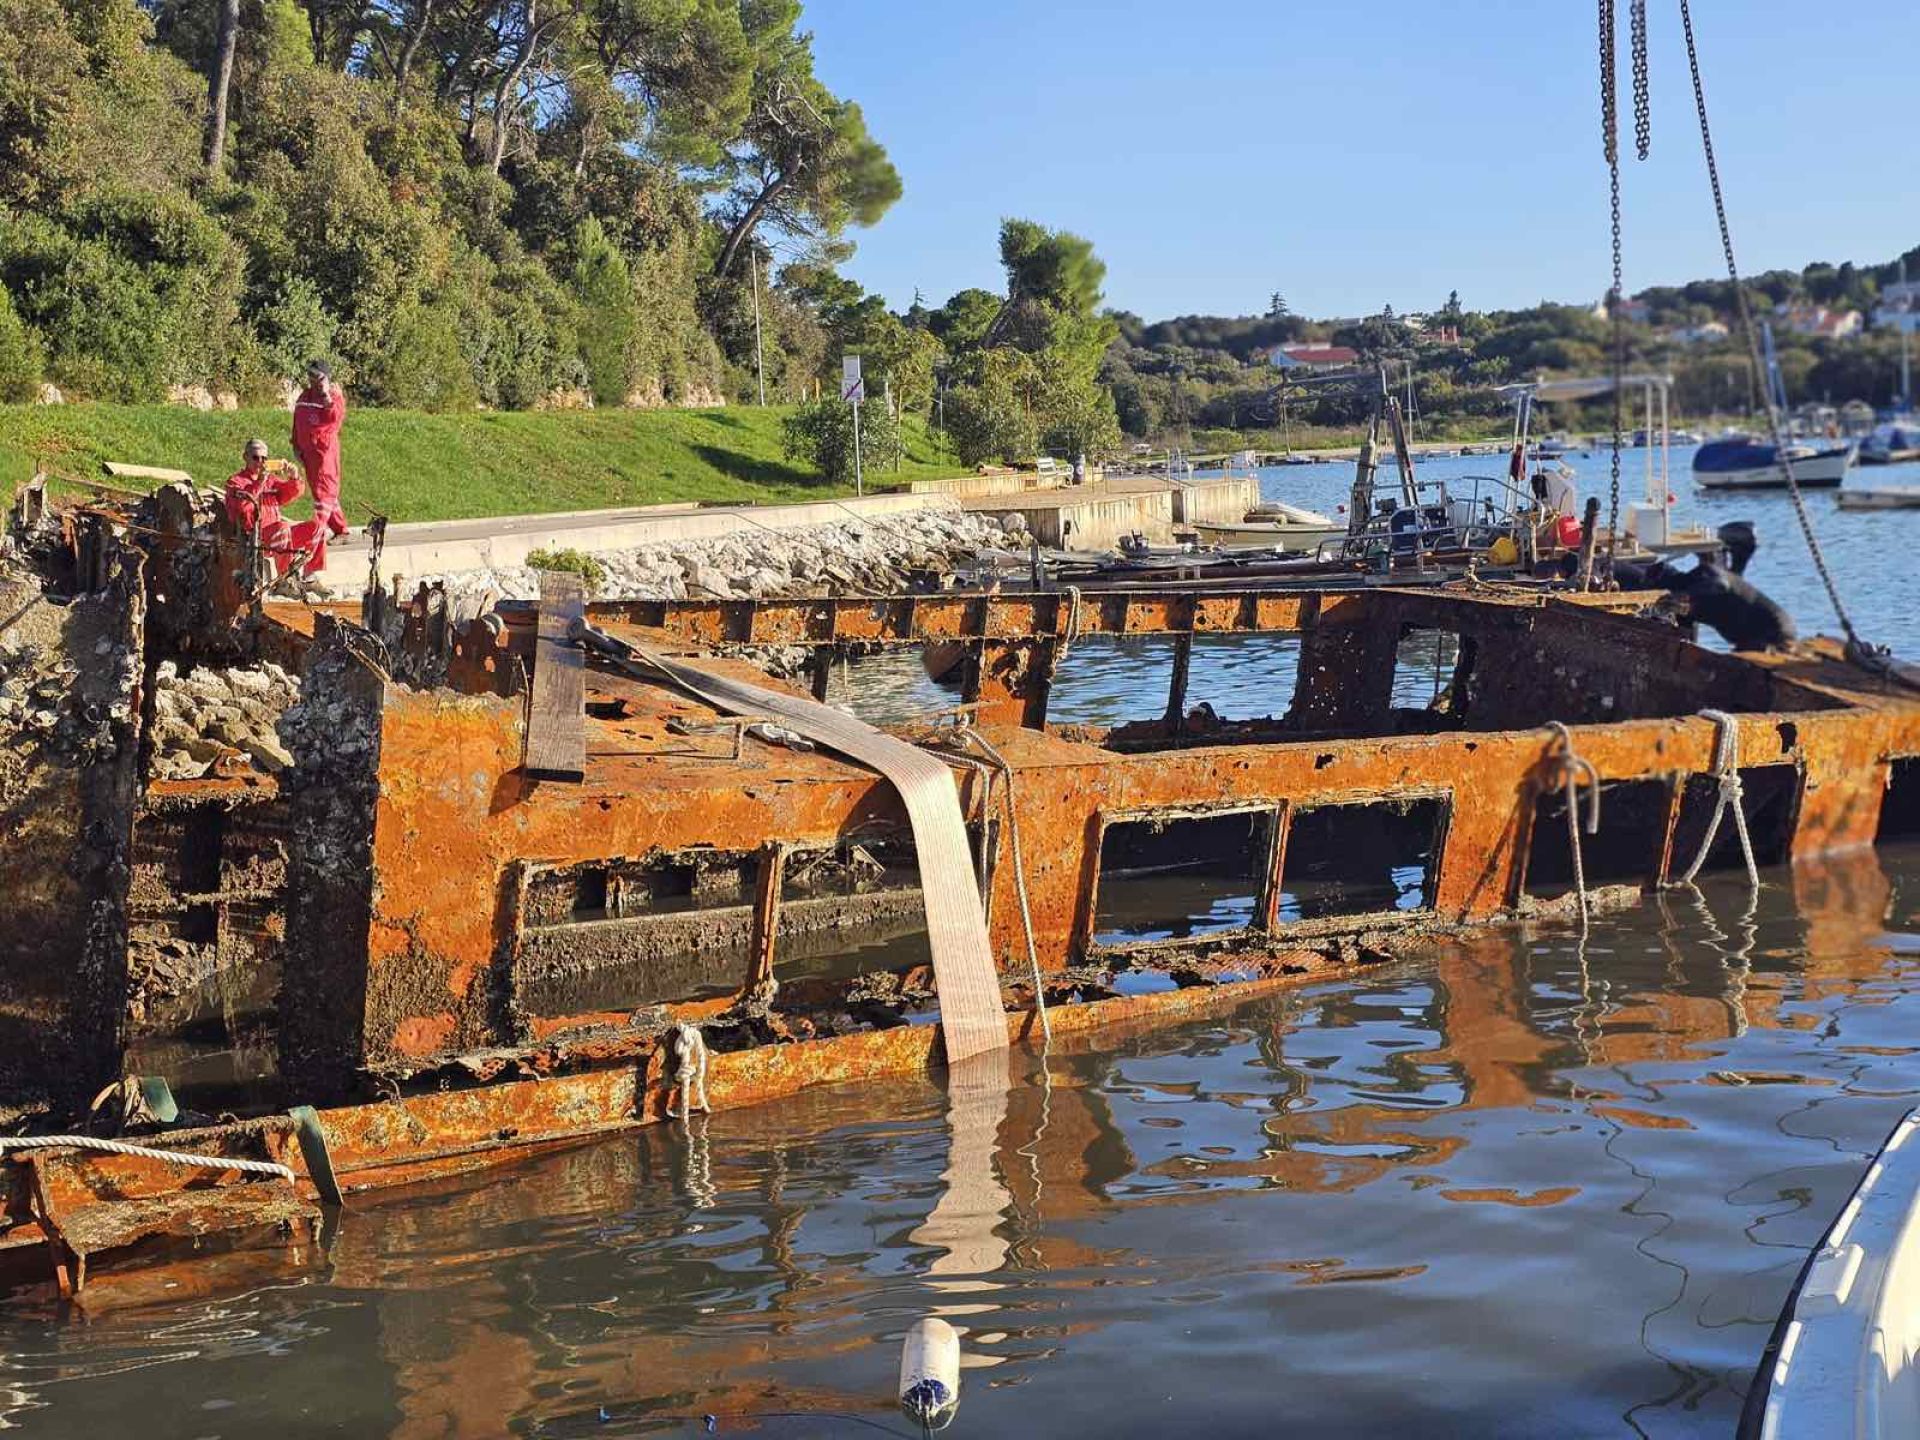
(444, 546)
(1096, 517)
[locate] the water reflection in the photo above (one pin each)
(1522, 1186)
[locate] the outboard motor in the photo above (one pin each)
(1404, 526)
(1737, 543)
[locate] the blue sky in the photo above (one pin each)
(1350, 153)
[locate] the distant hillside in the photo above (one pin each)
(1204, 379)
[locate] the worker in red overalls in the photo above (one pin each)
(255, 493)
(317, 415)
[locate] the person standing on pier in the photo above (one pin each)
(318, 413)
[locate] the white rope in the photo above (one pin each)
(1572, 768)
(971, 736)
(689, 1050)
(1073, 624)
(1726, 768)
(142, 1152)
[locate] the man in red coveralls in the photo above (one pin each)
(317, 415)
(255, 494)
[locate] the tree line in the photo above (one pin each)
(458, 202)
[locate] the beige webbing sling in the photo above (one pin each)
(972, 1019)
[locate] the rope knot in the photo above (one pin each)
(1729, 795)
(688, 1049)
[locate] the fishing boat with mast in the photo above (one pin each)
(1747, 462)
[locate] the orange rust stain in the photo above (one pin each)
(422, 1035)
(1498, 1195)
(1642, 1119)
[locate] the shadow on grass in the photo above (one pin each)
(753, 471)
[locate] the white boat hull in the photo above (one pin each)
(1282, 535)
(1883, 497)
(1814, 472)
(1842, 1364)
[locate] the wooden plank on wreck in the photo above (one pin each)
(556, 719)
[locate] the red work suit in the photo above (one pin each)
(316, 440)
(261, 493)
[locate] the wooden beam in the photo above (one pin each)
(556, 715)
(120, 470)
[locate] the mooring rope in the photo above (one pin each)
(1073, 624)
(1726, 769)
(971, 736)
(144, 1152)
(1572, 768)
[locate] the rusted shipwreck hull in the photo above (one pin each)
(457, 962)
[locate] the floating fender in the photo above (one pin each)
(930, 1373)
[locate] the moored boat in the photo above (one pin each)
(1894, 443)
(1274, 526)
(1881, 497)
(1741, 462)
(1842, 1360)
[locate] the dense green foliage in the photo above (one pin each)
(569, 562)
(821, 436)
(412, 466)
(517, 204)
(459, 205)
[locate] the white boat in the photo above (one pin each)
(1844, 1360)
(1880, 497)
(1273, 526)
(1743, 463)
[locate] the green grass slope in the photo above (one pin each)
(412, 466)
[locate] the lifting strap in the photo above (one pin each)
(972, 1017)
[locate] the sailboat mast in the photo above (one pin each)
(1906, 343)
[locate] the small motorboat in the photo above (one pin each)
(1273, 526)
(1894, 443)
(1841, 1364)
(1880, 497)
(1741, 462)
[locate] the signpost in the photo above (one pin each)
(853, 390)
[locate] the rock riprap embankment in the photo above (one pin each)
(206, 713)
(859, 556)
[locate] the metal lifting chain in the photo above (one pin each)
(1610, 143)
(1642, 88)
(1869, 656)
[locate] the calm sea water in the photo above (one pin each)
(1523, 1186)
(1519, 1187)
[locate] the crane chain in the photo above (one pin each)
(1642, 87)
(1610, 142)
(1873, 657)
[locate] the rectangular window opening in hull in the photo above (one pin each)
(1770, 798)
(1900, 809)
(1624, 851)
(1178, 877)
(1364, 858)
(1430, 675)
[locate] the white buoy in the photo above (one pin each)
(930, 1373)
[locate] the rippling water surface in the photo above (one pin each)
(1520, 1187)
